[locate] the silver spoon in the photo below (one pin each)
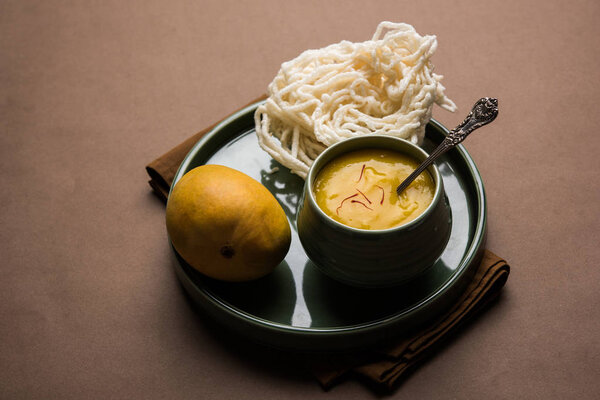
(482, 113)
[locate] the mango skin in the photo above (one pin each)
(226, 225)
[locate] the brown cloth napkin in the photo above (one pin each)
(386, 365)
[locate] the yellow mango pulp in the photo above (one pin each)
(358, 189)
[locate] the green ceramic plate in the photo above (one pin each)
(297, 307)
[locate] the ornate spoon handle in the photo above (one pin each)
(483, 112)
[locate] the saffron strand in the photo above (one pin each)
(337, 210)
(360, 202)
(361, 173)
(382, 194)
(363, 195)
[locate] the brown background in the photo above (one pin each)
(92, 91)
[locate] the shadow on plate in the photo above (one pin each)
(272, 297)
(334, 304)
(285, 186)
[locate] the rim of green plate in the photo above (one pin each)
(470, 254)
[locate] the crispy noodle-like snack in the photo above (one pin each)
(385, 85)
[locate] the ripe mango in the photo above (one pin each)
(226, 225)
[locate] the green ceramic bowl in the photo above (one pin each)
(373, 258)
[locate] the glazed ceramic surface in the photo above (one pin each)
(373, 258)
(297, 307)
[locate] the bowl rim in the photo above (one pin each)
(312, 174)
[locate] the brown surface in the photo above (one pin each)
(89, 305)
